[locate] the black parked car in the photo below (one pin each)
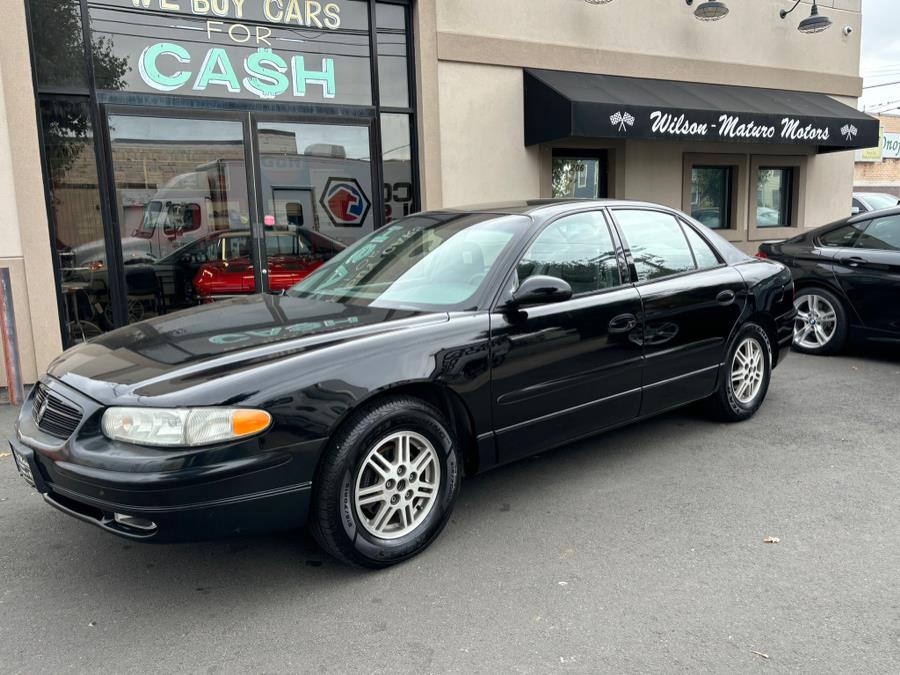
(446, 342)
(847, 276)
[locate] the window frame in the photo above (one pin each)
(727, 209)
(739, 164)
(798, 163)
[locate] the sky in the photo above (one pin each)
(880, 58)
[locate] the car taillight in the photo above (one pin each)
(762, 255)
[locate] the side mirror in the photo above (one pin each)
(854, 211)
(539, 289)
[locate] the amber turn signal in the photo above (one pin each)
(248, 422)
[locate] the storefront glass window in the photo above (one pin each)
(393, 76)
(578, 177)
(316, 176)
(58, 40)
(75, 211)
(183, 214)
(399, 192)
(711, 195)
(774, 188)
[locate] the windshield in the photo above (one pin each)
(433, 261)
(878, 201)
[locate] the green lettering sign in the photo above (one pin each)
(151, 73)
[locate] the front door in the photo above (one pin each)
(692, 302)
(566, 369)
(869, 273)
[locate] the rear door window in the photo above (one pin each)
(704, 256)
(844, 236)
(657, 244)
(882, 234)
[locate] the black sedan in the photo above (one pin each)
(446, 343)
(847, 276)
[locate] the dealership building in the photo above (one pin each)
(146, 145)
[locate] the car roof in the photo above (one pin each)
(547, 207)
(872, 215)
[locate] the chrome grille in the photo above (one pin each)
(53, 415)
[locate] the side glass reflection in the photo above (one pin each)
(182, 210)
(75, 206)
(316, 194)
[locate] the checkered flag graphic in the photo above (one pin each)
(621, 120)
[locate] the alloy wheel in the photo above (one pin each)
(397, 485)
(747, 369)
(815, 323)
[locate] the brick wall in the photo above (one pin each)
(883, 176)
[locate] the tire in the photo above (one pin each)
(732, 402)
(352, 532)
(814, 333)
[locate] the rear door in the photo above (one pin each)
(869, 273)
(691, 300)
(565, 369)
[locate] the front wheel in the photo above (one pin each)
(744, 377)
(387, 483)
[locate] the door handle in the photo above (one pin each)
(622, 323)
(852, 261)
(725, 298)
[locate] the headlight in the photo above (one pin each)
(172, 427)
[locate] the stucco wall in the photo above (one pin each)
(24, 233)
(659, 38)
(483, 154)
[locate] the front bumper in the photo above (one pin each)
(164, 496)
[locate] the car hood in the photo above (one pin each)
(213, 340)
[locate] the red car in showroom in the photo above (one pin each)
(291, 257)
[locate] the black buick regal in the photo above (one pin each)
(443, 344)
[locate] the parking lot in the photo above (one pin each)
(638, 550)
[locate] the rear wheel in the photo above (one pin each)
(821, 323)
(744, 378)
(387, 483)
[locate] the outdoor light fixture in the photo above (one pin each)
(710, 10)
(814, 23)
(713, 10)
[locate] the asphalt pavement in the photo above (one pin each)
(641, 550)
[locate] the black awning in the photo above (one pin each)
(561, 105)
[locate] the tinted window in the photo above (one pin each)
(882, 233)
(843, 236)
(703, 254)
(577, 249)
(858, 204)
(657, 244)
(711, 195)
(774, 187)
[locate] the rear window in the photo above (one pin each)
(844, 236)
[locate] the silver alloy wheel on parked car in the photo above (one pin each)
(397, 485)
(816, 321)
(747, 370)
